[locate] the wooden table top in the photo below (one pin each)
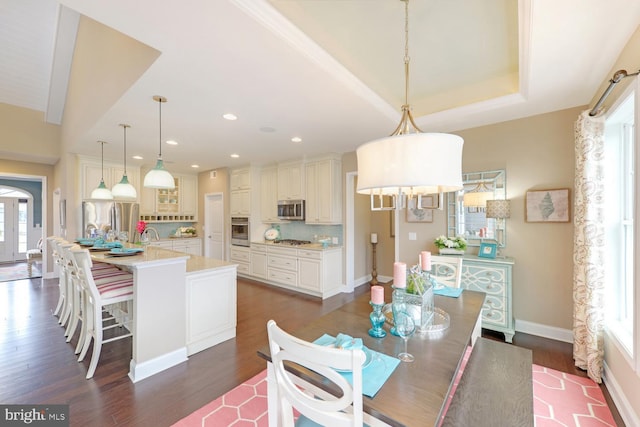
(414, 395)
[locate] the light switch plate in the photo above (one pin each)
(413, 236)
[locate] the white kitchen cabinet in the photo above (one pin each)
(320, 271)
(178, 204)
(269, 195)
(91, 172)
(190, 245)
(240, 203)
(258, 264)
(189, 195)
(212, 308)
(324, 191)
(242, 256)
(240, 179)
(291, 181)
(282, 266)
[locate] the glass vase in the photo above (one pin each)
(377, 320)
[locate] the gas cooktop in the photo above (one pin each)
(292, 242)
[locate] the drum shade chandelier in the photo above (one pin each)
(159, 177)
(409, 163)
(101, 192)
(478, 196)
(123, 189)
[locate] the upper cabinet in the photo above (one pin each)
(178, 204)
(91, 173)
(240, 179)
(291, 181)
(324, 191)
(240, 186)
(269, 194)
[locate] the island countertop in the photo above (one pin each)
(158, 255)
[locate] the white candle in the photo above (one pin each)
(425, 260)
(377, 295)
(374, 238)
(400, 274)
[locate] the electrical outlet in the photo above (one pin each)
(413, 236)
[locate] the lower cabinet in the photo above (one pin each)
(242, 256)
(493, 277)
(191, 245)
(212, 313)
(312, 271)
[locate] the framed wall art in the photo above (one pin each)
(419, 215)
(547, 205)
(429, 201)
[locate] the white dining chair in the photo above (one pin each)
(53, 246)
(447, 270)
(112, 295)
(316, 407)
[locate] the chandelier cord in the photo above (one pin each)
(125, 149)
(102, 161)
(406, 52)
(160, 125)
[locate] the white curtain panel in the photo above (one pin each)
(588, 246)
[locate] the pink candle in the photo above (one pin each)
(425, 260)
(400, 274)
(377, 295)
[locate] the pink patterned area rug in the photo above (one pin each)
(560, 400)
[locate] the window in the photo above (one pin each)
(619, 221)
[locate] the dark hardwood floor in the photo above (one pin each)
(37, 366)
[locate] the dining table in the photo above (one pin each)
(416, 393)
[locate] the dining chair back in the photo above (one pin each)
(53, 246)
(316, 406)
(447, 270)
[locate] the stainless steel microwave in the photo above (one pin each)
(292, 210)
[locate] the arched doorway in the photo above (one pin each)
(16, 213)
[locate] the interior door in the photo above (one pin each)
(8, 219)
(214, 226)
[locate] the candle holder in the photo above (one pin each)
(374, 271)
(377, 320)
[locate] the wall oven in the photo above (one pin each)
(240, 231)
(292, 210)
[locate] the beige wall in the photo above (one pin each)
(26, 136)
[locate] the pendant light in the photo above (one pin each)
(123, 189)
(159, 177)
(409, 163)
(101, 192)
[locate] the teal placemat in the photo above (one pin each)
(448, 292)
(375, 374)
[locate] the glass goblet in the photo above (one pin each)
(405, 327)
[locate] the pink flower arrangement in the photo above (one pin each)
(141, 226)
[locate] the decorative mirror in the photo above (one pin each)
(467, 210)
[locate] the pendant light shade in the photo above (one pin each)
(123, 189)
(101, 192)
(409, 163)
(159, 177)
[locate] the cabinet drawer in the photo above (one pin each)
(305, 253)
(258, 248)
(240, 256)
(281, 262)
(285, 277)
(494, 317)
(243, 268)
(491, 280)
(282, 251)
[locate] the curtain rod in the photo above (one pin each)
(617, 76)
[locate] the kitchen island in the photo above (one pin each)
(182, 304)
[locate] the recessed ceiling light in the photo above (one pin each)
(195, 166)
(235, 156)
(172, 142)
(267, 129)
(296, 139)
(137, 157)
(230, 116)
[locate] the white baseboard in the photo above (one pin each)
(538, 329)
(140, 371)
(625, 409)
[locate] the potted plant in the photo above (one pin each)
(451, 245)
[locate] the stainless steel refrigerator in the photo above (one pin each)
(109, 215)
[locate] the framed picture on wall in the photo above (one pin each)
(429, 201)
(547, 205)
(419, 215)
(488, 250)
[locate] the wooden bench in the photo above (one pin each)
(496, 388)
